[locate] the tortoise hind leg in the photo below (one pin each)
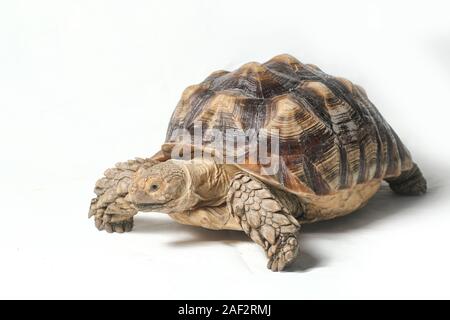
(266, 217)
(410, 182)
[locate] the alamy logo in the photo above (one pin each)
(229, 146)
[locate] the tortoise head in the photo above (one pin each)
(162, 187)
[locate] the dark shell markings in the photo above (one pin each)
(331, 137)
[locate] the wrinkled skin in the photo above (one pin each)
(137, 185)
(159, 188)
(187, 189)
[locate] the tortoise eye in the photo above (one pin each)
(154, 187)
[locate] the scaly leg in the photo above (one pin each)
(267, 217)
(411, 182)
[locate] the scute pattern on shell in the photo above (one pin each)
(331, 136)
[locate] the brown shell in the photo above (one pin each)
(331, 136)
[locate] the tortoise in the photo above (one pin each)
(334, 151)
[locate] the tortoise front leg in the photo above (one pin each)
(266, 219)
(111, 209)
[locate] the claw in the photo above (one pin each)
(109, 228)
(118, 228)
(99, 223)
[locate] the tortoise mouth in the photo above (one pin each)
(150, 206)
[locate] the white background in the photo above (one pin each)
(84, 84)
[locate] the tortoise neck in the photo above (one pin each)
(208, 182)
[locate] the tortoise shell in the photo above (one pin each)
(331, 137)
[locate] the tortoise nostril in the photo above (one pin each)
(154, 187)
